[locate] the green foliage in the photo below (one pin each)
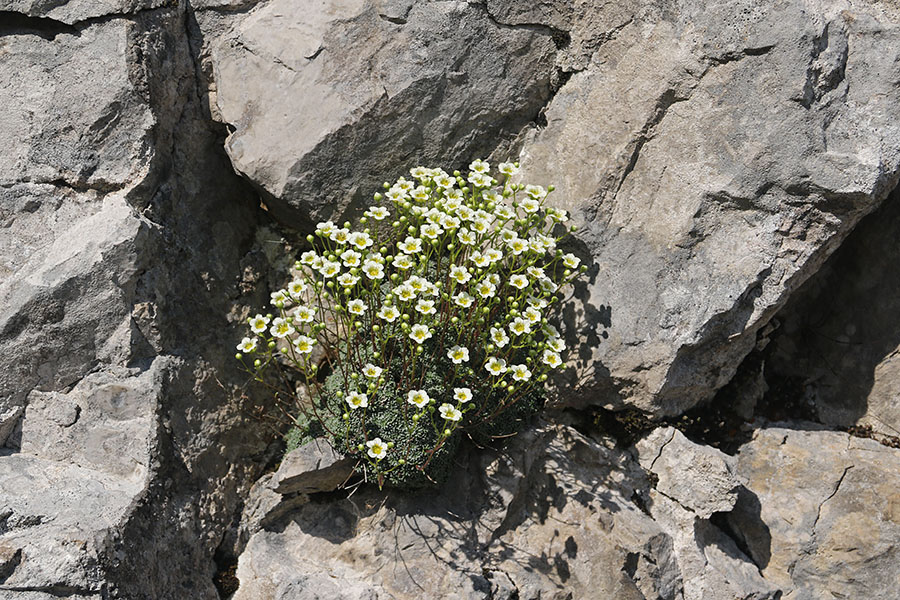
(436, 322)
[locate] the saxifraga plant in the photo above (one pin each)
(434, 314)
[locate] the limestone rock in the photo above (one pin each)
(836, 337)
(313, 467)
(713, 155)
(822, 519)
(692, 483)
(327, 103)
(552, 515)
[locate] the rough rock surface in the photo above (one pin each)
(822, 518)
(714, 154)
(375, 88)
(125, 236)
(836, 337)
(552, 516)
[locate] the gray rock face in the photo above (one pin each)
(714, 155)
(550, 517)
(125, 237)
(692, 483)
(823, 521)
(836, 336)
(375, 88)
(313, 467)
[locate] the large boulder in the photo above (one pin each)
(713, 154)
(821, 518)
(326, 103)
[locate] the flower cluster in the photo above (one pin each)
(436, 307)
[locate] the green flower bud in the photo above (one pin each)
(310, 238)
(361, 447)
(403, 219)
(573, 228)
(381, 380)
(339, 394)
(395, 224)
(390, 445)
(401, 462)
(485, 310)
(376, 356)
(583, 268)
(419, 349)
(405, 316)
(446, 432)
(345, 417)
(257, 363)
(415, 418)
(279, 304)
(510, 388)
(354, 376)
(376, 328)
(347, 225)
(377, 196)
(457, 174)
(284, 350)
(450, 246)
(386, 186)
(550, 188)
(489, 348)
(411, 230)
(454, 320)
(271, 344)
(239, 356)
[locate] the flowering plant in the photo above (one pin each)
(434, 315)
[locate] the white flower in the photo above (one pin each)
(434, 216)
(348, 280)
(431, 231)
(418, 398)
(535, 272)
(530, 205)
(360, 240)
(378, 213)
(479, 259)
(465, 237)
(495, 366)
(504, 211)
(388, 313)
(508, 168)
(371, 371)
(458, 354)
(296, 288)
(517, 246)
(499, 337)
(520, 372)
(536, 302)
(556, 344)
(546, 241)
(462, 395)
(494, 278)
(280, 296)
(418, 284)
(444, 181)
(377, 448)
(449, 222)
(329, 268)
(449, 412)
(403, 262)
(410, 245)
(460, 274)
(325, 228)
(405, 292)
(571, 261)
(551, 359)
(486, 289)
(463, 300)
(479, 225)
(396, 194)
(420, 172)
(493, 254)
(351, 258)
(304, 344)
(535, 191)
(308, 257)
(304, 314)
(454, 194)
(558, 214)
(464, 212)
(357, 400)
(247, 345)
(420, 193)
(419, 333)
(518, 281)
(520, 326)
(532, 314)
(479, 179)
(426, 307)
(259, 323)
(340, 236)
(493, 196)
(356, 307)
(548, 286)
(479, 166)
(403, 184)
(281, 328)
(373, 270)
